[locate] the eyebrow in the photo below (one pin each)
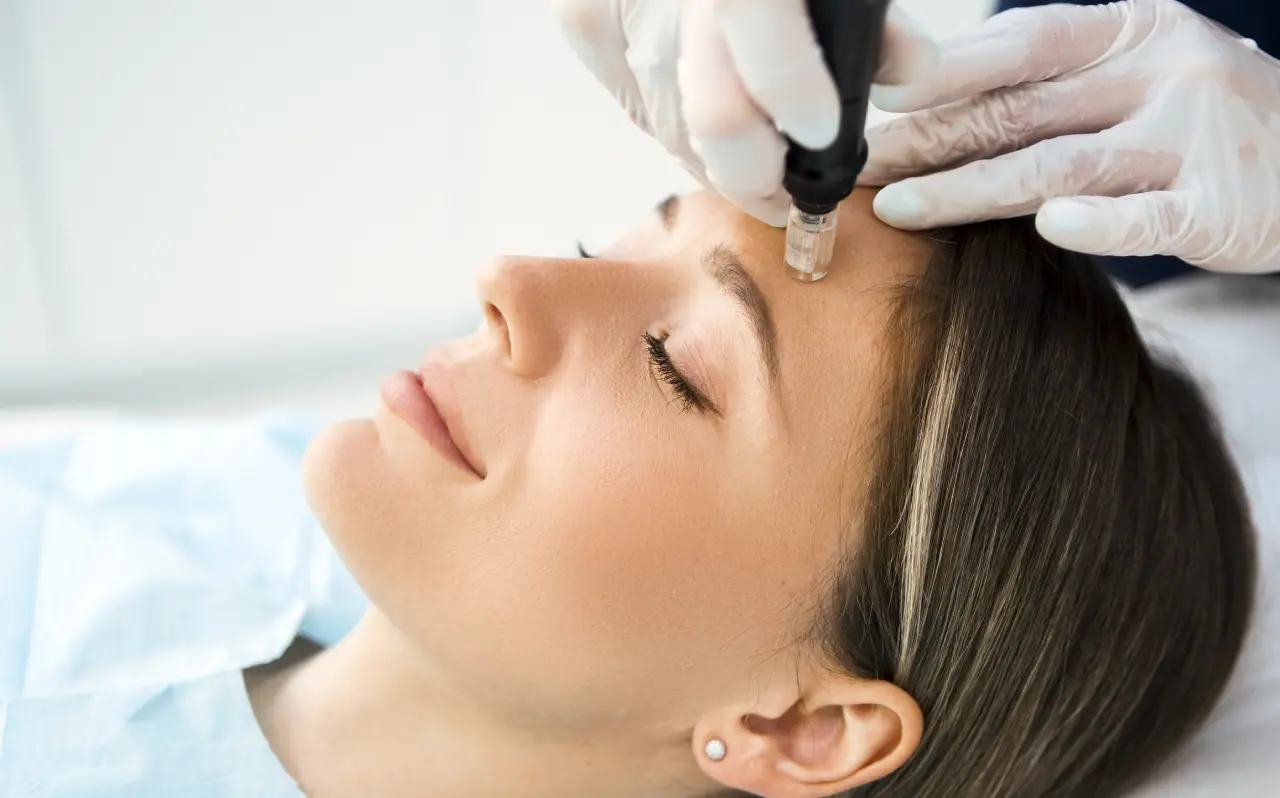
(734, 279)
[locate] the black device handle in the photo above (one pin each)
(850, 33)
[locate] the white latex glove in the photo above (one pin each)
(715, 80)
(1136, 128)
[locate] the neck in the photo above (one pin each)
(368, 717)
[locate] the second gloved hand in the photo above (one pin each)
(1135, 128)
(715, 80)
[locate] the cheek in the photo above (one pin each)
(582, 570)
(613, 508)
(646, 549)
(340, 468)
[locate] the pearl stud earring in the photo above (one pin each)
(715, 749)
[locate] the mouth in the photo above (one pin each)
(425, 401)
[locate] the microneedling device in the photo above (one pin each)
(849, 33)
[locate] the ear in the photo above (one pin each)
(839, 734)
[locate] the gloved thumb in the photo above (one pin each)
(908, 53)
(1153, 223)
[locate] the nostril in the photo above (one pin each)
(498, 323)
(494, 316)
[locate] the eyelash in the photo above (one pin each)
(690, 398)
(582, 253)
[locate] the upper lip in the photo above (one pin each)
(438, 385)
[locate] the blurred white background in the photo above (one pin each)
(220, 206)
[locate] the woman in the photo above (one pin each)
(938, 526)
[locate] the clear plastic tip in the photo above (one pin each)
(811, 238)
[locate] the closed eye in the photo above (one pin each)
(689, 397)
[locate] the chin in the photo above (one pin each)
(341, 471)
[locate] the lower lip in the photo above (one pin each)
(407, 399)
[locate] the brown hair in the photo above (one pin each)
(1056, 560)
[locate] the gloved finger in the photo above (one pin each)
(908, 53)
(742, 157)
(1018, 46)
(600, 43)
(1152, 223)
(776, 53)
(990, 124)
(740, 148)
(1019, 183)
(772, 209)
(653, 31)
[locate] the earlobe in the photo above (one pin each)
(843, 734)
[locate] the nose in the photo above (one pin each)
(532, 305)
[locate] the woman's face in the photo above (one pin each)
(639, 540)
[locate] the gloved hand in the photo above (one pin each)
(1135, 128)
(714, 80)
